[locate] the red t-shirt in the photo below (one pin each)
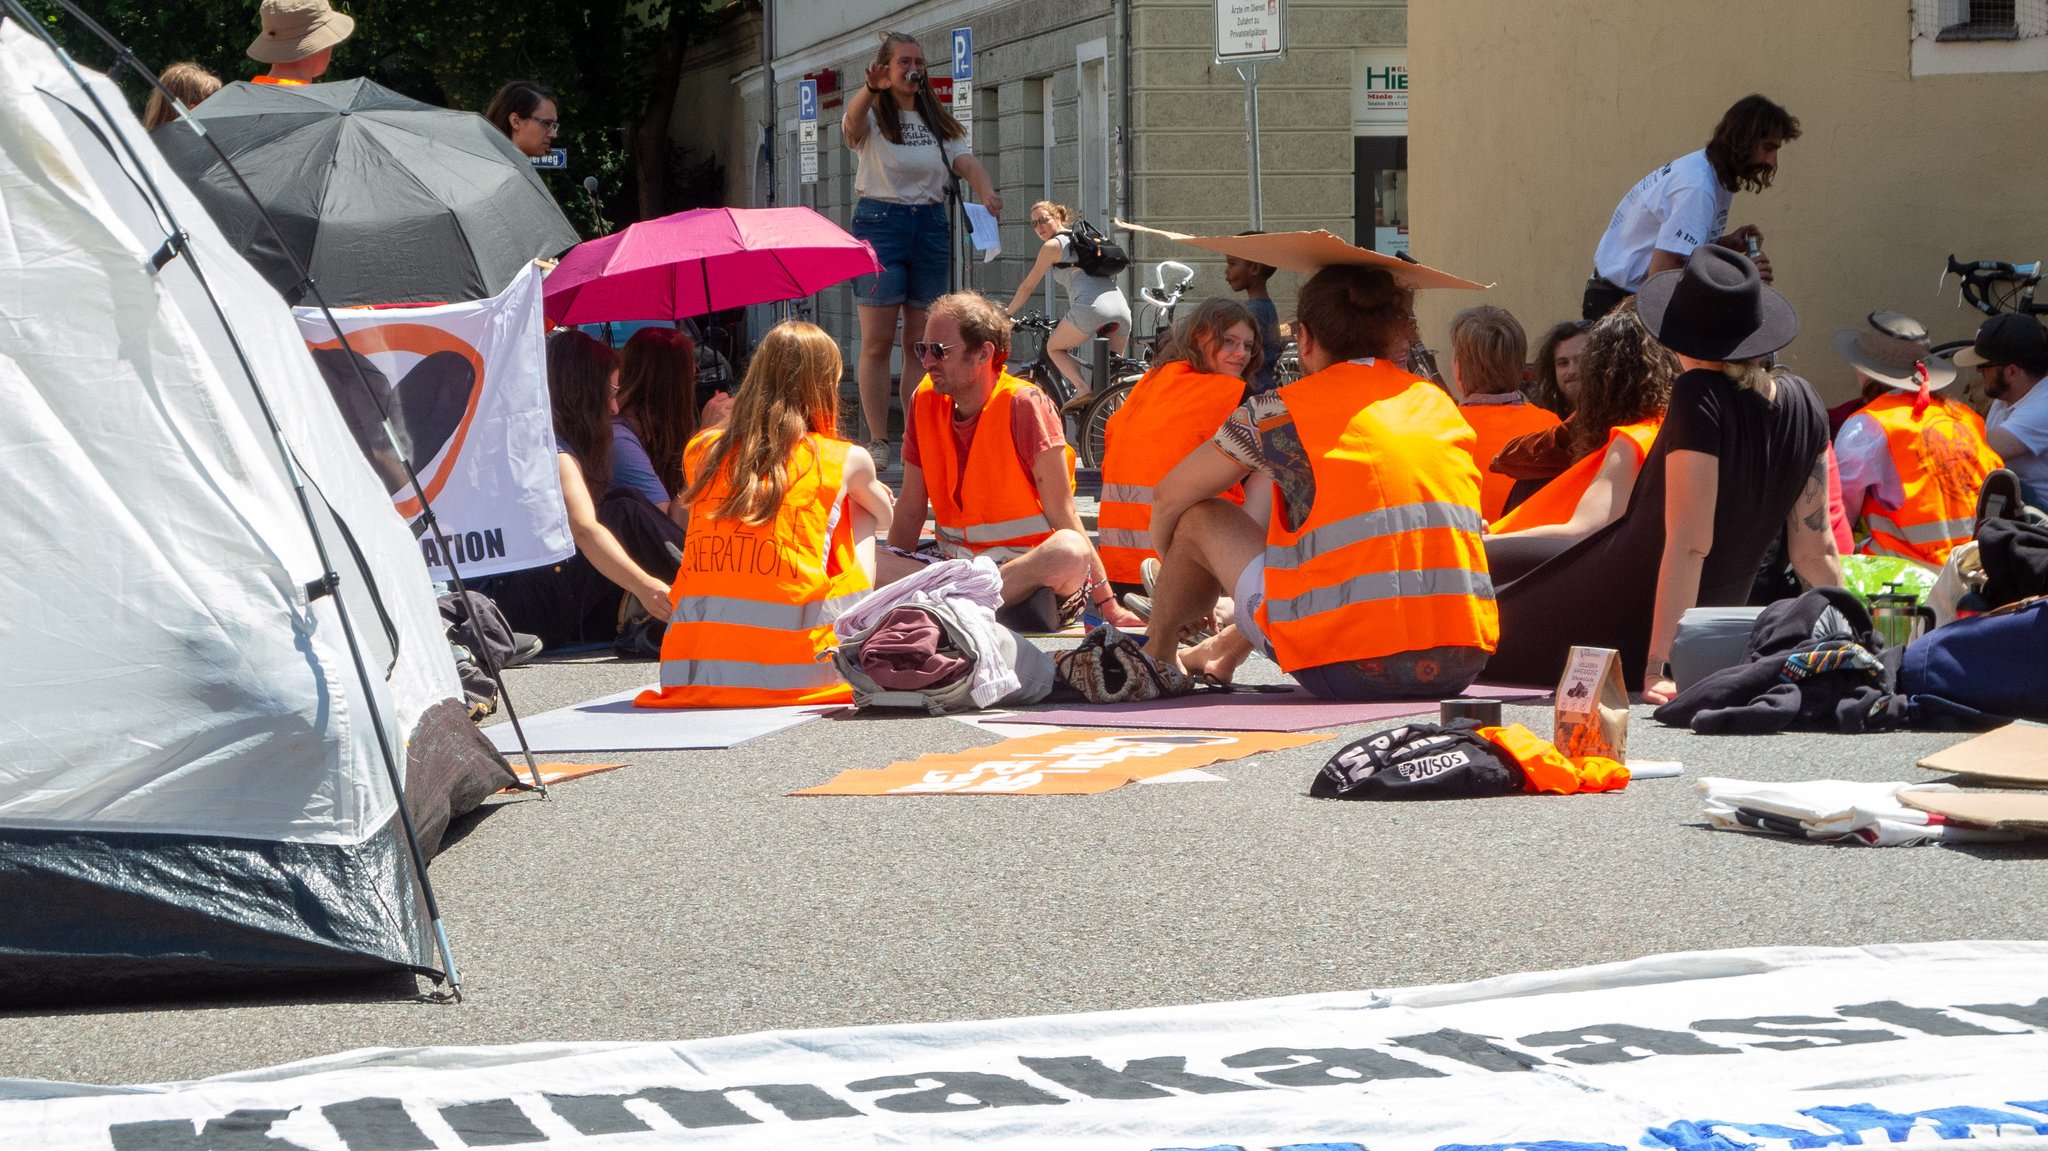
(1034, 425)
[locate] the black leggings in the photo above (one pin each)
(571, 602)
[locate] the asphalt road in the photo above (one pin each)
(687, 896)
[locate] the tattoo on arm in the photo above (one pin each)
(1815, 495)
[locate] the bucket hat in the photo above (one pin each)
(1716, 308)
(2008, 339)
(1889, 349)
(295, 29)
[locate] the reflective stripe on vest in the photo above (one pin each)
(1126, 494)
(1376, 586)
(1123, 538)
(1371, 525)
(987, 535)
(756, 613)
(778, 677)
(1928, 533)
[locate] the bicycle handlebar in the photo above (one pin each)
(1977, 276)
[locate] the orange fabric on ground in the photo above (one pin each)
(1547, 770)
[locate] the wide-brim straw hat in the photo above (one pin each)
(1716, 308)
(295, 29)
(1891, 349)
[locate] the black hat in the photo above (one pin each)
(2008, 339)
(1716, 308)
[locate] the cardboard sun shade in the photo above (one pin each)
(2014, 754)
(1311, 252)
(2021, 811)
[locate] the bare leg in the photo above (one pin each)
(913, 368)
(1218, 656)
(1060, 563)
(1212, 545)
(877, 336)
(1059, 348)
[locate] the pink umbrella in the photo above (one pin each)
(703, 261)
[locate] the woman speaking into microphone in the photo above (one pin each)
(908, 147)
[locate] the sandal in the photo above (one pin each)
(1077, 404)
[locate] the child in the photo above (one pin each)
(1250, 278)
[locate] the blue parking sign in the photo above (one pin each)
(806, 99)
(963, 53)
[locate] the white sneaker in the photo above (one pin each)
(1148, 571)
(880, 450)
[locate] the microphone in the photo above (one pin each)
(915, 77)
(604, 226)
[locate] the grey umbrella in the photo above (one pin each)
(384, 199)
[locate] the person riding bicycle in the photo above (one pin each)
(984, 453)
(1093, 302)
(1200, 377)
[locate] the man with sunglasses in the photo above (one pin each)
(984, 453)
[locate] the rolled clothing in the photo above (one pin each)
(1602, 591)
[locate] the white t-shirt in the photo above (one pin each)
(2027, 422)
(913, 172)
(1677, 208)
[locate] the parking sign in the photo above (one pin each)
(807, 131)
(963, 54)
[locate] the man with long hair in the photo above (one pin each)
(1685, 203)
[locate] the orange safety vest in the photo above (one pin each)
(1556, 501)
(1942, 460)
(1169, 413)
(1003, 509)
(755, 602)
(1495, 425)
(1389, 559)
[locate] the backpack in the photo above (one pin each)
(1093, 252)
(1419, 761)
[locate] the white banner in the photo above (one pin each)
(1771, 1049)
(465, 386)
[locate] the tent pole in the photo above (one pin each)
(329, 584)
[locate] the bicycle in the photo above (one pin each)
(1083, 427)
(1994, 288)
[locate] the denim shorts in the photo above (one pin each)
(911, 243)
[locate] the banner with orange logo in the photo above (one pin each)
(461, 391)
(1059, 763)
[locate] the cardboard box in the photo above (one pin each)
(2014, 755)
(2025, 812)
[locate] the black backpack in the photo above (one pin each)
(1093, 252)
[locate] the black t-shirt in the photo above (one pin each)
(1766, 449)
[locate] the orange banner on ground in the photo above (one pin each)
(1060, 763)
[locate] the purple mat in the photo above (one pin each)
(1292, 710)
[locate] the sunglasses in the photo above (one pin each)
(932, 350)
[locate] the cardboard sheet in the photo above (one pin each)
(554, 773)
(614, 724)
(1311, 252)
(2025, 812)
(2016, 754)
(1291, 710)
(1057, 763)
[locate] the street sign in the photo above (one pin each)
(553, 158)
(807, 131)
(1249, 30)
(963, 80)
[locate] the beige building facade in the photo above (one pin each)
(1117, 109)
(1921, 138)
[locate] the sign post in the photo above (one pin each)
(1247, 33)
(961, 88)
(807, 131)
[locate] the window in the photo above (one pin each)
(1964, 36)
(1093, 199)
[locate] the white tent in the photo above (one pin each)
(196, 759)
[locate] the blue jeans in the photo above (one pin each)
(911, 244)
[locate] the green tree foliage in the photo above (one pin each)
(615, 64)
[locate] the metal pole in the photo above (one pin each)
(1250, 72)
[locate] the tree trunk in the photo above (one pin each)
(650, 133)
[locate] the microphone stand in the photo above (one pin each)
(604, 226)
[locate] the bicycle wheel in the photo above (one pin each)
(1095, 422)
